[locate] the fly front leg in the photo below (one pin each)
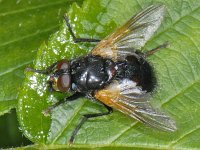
(85, 118)
(76, 40)
(71, 98)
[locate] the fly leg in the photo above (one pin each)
(164, 45)
(85, 118)
(71, 98)
(141, 56)
(76, 40)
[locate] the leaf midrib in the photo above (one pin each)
(114, 146)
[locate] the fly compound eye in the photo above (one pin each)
(64, 82)
(63, 64)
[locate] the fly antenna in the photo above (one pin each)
(45, 71)
(151, 52)
(37, 71)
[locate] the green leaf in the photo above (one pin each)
(23, 26)
(177, 69)
(6, 106)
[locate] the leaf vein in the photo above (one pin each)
(30, 8)
(15, 68)
(30, 35)
(191, 68)
(174, 23)
(184, 135)
(69, 122)
(189, 37)
(123, 132)
(168, 73)
(180, 92)
(188, 97)
(188, 62)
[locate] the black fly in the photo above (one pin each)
(115, 73)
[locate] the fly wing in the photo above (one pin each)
(129, 98)
(133, 35)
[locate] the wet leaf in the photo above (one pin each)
(24, 25)
(177, 69)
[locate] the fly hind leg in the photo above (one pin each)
(164, 45)
(85, 118)
(76, 40)
(141, 56)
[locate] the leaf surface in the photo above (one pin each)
(177, 69)
(24, 25)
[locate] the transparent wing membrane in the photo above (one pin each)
(141, 27)
(131, 36)
(129, 98)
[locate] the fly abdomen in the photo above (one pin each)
(138, 71)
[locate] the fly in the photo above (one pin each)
(115, 72)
